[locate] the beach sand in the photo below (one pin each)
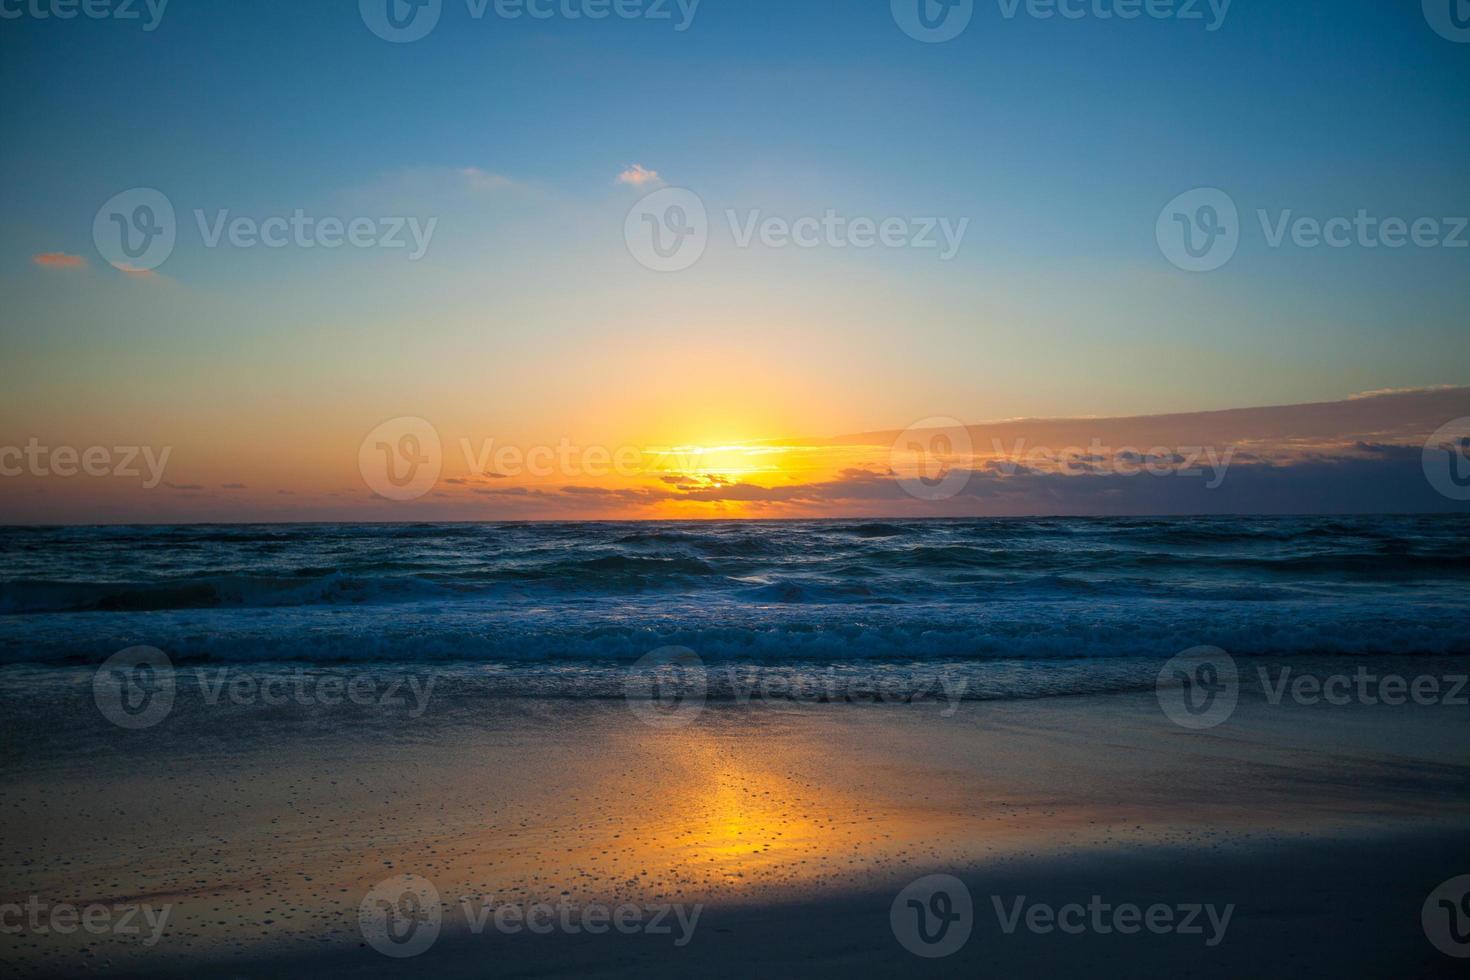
(791, 828)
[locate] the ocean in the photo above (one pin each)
(778, 592)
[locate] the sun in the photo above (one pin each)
(728, 462)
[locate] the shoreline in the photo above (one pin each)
(1346, 907)
(266, 827)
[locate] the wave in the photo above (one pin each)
(506, 631)
(1035, 588)
(208, 593)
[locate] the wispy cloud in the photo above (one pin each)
(426, 190)
(1380, 392)
(59, 260)
(637, 175)
(144, 275)
(483, 180)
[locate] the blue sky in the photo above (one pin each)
(1059, 140)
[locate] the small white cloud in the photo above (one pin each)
(637, 175)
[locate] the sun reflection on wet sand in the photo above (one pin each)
(510, 803)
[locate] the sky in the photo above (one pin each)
(1030, 169)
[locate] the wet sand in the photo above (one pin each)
(792, 828)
